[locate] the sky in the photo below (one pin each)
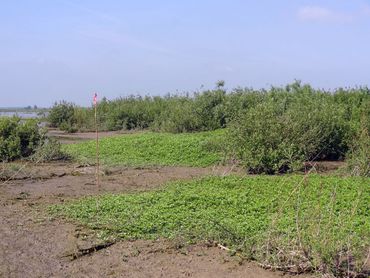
(68, 49)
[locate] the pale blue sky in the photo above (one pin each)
(66, 49)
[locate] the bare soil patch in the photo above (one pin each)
(34, 245)
(324, 166)
(56, 180)
(68, 138)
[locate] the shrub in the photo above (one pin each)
(177, 117)
(130, 112)
(210, 110)
(261, 141)
(270, 130)
(62, 115)
(359, 155)
(83, 119)
(18, 138)
(49, 150)
(287, 128)
(240, 101)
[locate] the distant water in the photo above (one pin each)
(23, 115)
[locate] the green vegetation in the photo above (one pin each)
(359, 154)
(18, 138)
(300, 223)
(294, 125)
(202, 112)
(269, 131)
(48, 150)
(317, 223)
(61, 115)
(23, 138)
(145, 149)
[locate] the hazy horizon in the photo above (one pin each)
(66, 49)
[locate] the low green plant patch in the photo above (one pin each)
(144, 149)
(306, 223)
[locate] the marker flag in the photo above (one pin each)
(95, 98)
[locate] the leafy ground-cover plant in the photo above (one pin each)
(146, 149)
(296, 223)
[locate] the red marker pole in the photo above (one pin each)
(97, 141)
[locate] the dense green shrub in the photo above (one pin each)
(288, 127)
(269, 131)
(129, 113)
(83, 119)
(202, 112)
(18, 138)
(209, 108)
(62, 115)
(241, 100)
(178, 116)
(359, 155)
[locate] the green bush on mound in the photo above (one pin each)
(23, 138)
(62, 115)
(18, 138)
(292, 126)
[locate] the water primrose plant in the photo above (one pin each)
(148, 149)
(292, 222)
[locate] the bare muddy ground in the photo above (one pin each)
(34, 245)
(68, 138)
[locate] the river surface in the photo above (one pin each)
(23, 115)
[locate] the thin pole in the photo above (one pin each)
(97, 144)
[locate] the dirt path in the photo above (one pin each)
(34, 245)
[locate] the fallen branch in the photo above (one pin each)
(86, 251)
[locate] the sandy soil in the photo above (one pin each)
(34, 245)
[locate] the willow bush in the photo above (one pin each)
(268, 131)
(18, 138)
